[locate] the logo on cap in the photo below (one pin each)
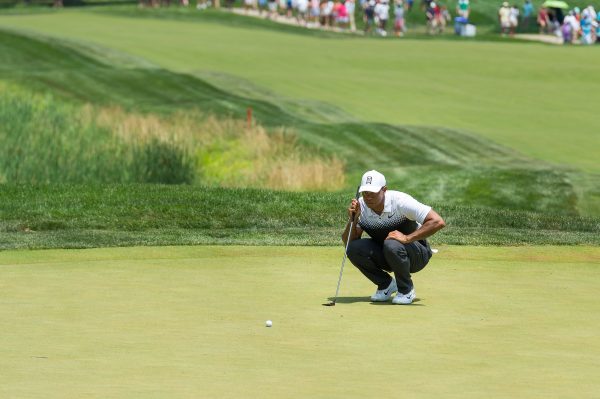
(369, 180)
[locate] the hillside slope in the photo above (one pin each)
(435, 164)
(518, 95)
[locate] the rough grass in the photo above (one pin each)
(48, 142)
(123, 215)
(45, 141)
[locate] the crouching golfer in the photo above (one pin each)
(398, 226)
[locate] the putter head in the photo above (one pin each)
(332, 303)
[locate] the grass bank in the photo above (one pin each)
(124, 215)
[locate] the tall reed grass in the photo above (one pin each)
(46, 141)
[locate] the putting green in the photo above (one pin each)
(183, 322)
(534, 98)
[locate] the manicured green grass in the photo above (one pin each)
(189, 322)
(520, 96)
(83, 216)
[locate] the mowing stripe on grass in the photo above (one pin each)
(503, 91)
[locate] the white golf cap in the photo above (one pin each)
(372, 181)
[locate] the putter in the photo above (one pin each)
(337, 290)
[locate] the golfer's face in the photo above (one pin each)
(374, 199)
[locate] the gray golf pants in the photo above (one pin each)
(374, 259)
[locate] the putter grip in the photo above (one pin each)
(357, 195)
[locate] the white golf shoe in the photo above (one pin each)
(386, 294)
(404, 299)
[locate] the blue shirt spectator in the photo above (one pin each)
(527, 9)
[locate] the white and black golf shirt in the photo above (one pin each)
(400, 212)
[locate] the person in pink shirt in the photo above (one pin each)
(543, 20)
(342, 16)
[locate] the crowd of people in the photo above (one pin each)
(577, 26)
(574, 26)
(330, 14)
(341, 14)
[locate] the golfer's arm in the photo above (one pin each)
(431, 225)
(355, 234)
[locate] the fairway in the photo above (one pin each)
(182, 322)
(519, 95)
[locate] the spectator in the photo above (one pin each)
(369, 15)
(314, 11)
(342, 16)
(586, 30)
(302, 7)
(575, 25)
(437, 16)
(202, 4)
(351, 9)
(429, 14)
(329, 12)
(463, 9)
(504, 18)
(514, 19)
(445, 17)
(273, 9)
(590, 13)
(382, 11)
(399, 27)
(527, 14)
(262, 6)
(543, 20)
(598, 28)
(324, 13)
(249, 5)
(567, 31)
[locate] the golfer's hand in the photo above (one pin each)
(354, 209)
(398, 236)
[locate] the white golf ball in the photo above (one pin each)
(269, 323)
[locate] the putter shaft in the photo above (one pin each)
(337, 290)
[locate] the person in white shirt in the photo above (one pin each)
(398, 226)
(302, 7)
(382, 11)
(351, 8)
(504, 18)
(575, 28)
(514, 19)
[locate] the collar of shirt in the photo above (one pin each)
(387, 207)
